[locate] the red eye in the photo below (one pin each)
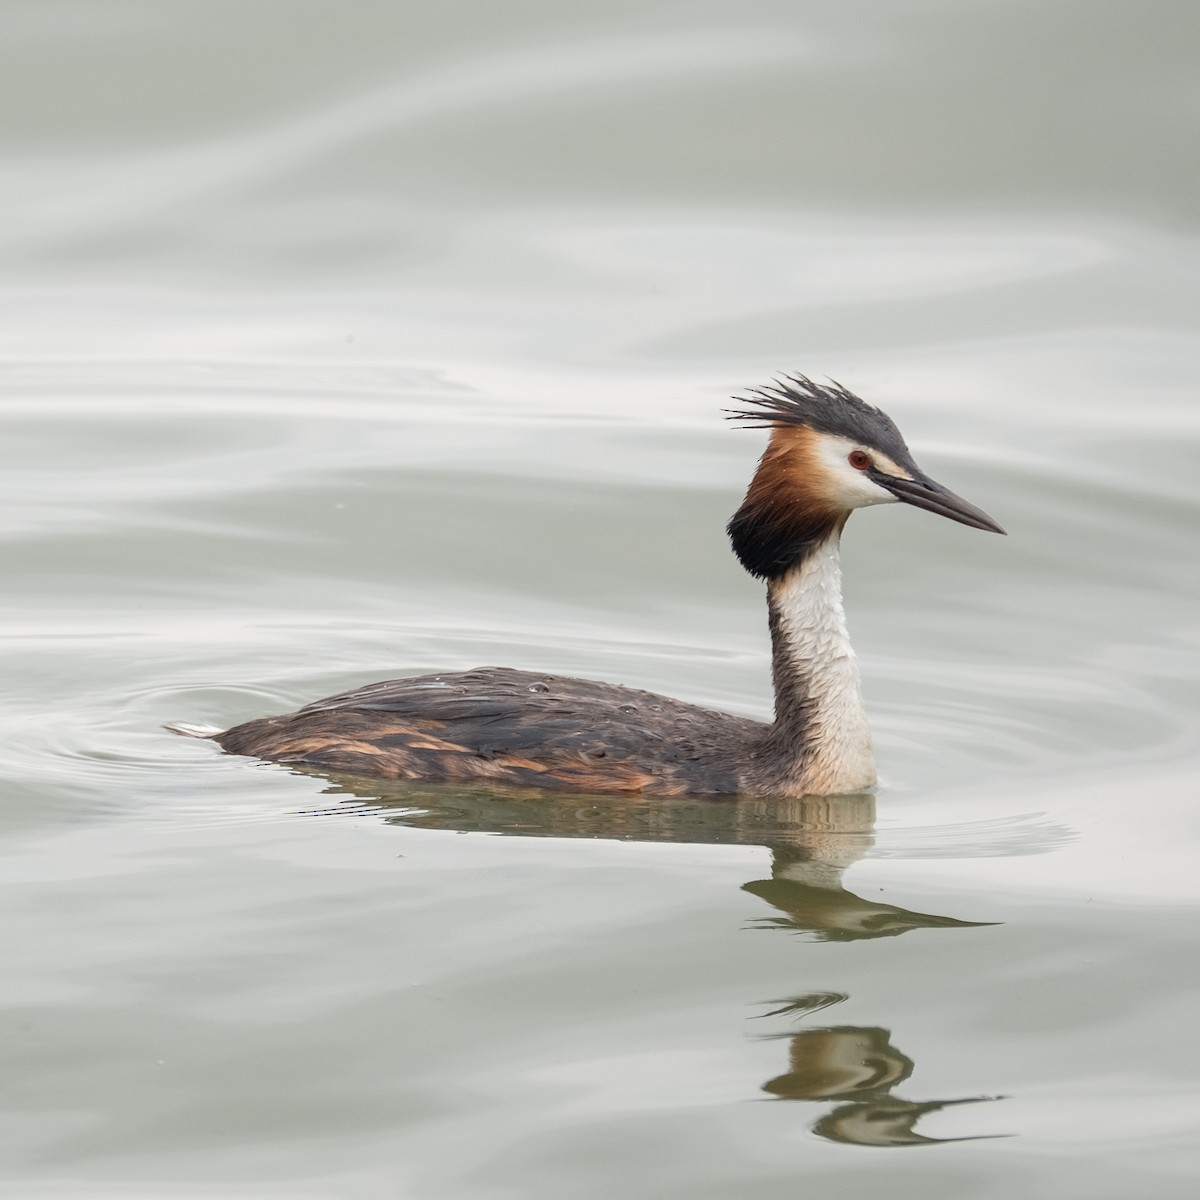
(860, 459)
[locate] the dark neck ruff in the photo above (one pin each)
(783, 519)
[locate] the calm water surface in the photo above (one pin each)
(342, 343)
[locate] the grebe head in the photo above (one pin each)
(829, 453)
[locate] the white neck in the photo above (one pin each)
(818, 700)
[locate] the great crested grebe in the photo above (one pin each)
(829, 453)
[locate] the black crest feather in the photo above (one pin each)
(827, 408)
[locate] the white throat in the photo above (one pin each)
(815, 663)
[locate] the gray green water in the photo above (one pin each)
(345, 341)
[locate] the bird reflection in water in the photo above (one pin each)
(859, 1066)
(813, 841)
(807, 865)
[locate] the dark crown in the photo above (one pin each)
(797, 400)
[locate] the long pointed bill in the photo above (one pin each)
(924, 493)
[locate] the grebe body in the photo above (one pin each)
(829, 453)
(513, 727)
